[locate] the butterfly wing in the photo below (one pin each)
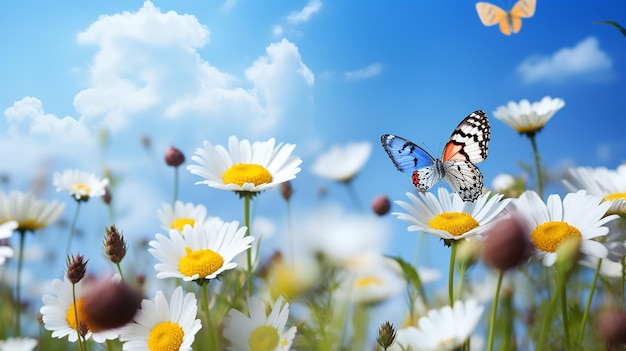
(406, 156)
(521, 9)
(490, 14)
(425, 177)
(469, 139)
(464, 178)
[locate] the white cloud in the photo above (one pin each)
(581, 60)
(366, 72)
(147, 64)
(26, 118)
(277, 30)
(305, 14)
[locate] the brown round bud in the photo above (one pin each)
(507, 244)
(612, 326)
(286, 190)
(106, 198)
(381, 205)
(109, 304)
(76, 268)
(173, 157)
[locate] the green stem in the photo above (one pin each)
(292, 247)
(548, 316)
(246, 214)
(212, 332)
(353, 195)
(72, 228)
(563, 294)
(537, 164)
(119, 269)
(79, 339)
(623, 281)
(175, 186)
(451, 273)
(492, 322)
(18, 286)
(360, 320)
(588, 306)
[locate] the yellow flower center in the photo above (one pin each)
(70, 316)
(165, 336)
(30, 224)
(80, 188)
(455, 223)
(242, 173)
(616, 196)
(549, 235)
(201, 262)
(526, 129)
(179, 223)
(368, 281)
(264, 338)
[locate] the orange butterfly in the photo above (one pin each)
(491, 14)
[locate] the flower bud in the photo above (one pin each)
(114, 245)
(173, 157)
(386, 335)
(286, 190)
(76, 268)
(381, 205)
(612, 326)
(110, 304)
(507, 244)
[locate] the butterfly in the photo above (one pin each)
(491, 14)
(466, 147)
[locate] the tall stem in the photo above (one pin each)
(451, 273)
(588, 306)
(212, 332)
(537, 165)
(564, 312)
(18, 286)
(246, 214)
(76, 320)
(492, 323)
(353, 195)
(175, 186)
(72, 228)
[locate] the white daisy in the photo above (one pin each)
(449, 217)
(602, 182)
(578, 215)
(58, 313)
(608, 268)
(245, 167)
(201, 252)
(184, 214)
(528, 118)
(441, 329)
(342, 163)
(259, 331)
(81, 185)
(160, 325)
(6, 231)
(29, 213)
(370, 278)
(339, 236)
(18, 344)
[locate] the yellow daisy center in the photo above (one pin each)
(616, 196)
(165, 336)
(242, 173)
(526, 129)
(549, 235)
(201, 262)
(81, 188)
(264, 338)
(179, 223)
(368, 281)
(70, 316)
(30, 224)
(455, 223)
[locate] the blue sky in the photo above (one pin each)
(313, 73)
